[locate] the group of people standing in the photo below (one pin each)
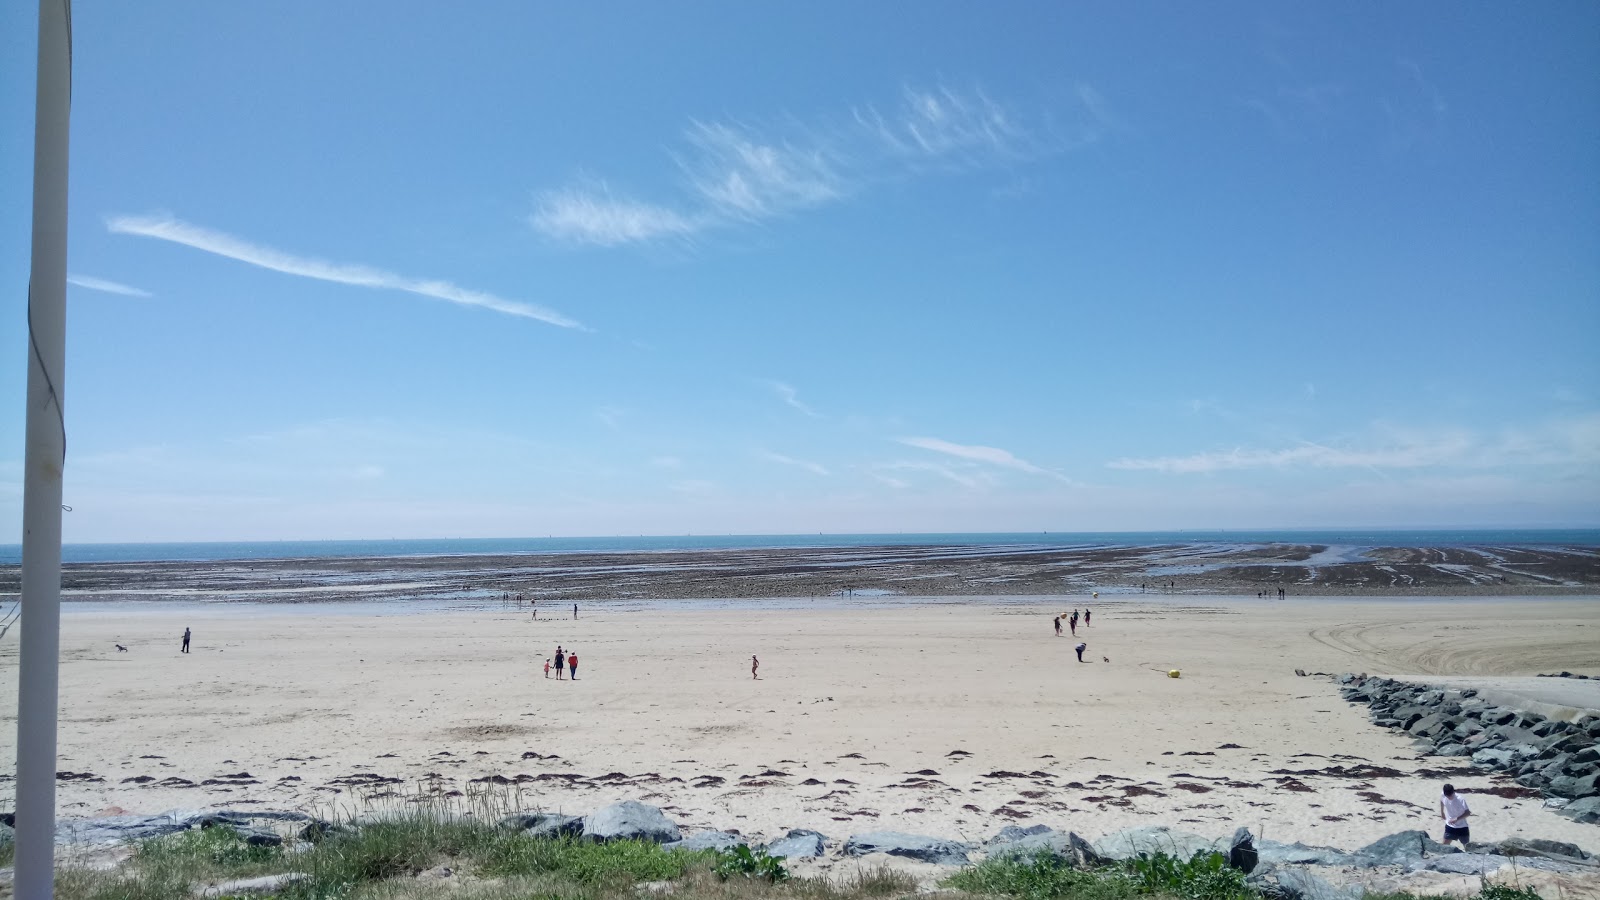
(565, 662)
(1072, 621)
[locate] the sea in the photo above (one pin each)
(11, 554)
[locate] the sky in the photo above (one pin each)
(408, 269)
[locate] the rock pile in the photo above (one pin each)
(1557, 758)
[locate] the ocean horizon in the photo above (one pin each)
(196, 551)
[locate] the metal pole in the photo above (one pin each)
(44, 457)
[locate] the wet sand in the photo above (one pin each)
(933, 716)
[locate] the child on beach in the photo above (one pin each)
(547, 668)
(1454, 811)
(754, 664)
(1058, 626)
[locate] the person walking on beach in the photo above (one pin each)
(572, 665)
(1082, 646)
(1058, 626)
(1454, 811)
(561, 662)
(574, 610)
(754, 665)
(185, 640)
(1086, 614)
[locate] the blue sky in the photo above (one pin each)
(413, 270)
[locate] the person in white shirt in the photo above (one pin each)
(1454, 810)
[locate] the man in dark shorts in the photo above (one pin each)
(1058, 626)
(1454, 811)
(561, 662)
(1080, 648)
(572, 665)
(185, 641)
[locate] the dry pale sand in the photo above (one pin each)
(905, 715)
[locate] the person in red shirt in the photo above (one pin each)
(572, 665)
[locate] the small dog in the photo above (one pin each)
(1105, 659)
(120, 648)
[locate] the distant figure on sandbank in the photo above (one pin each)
(754, 665)
(185, 641)
(1082, 646)
(574, 610)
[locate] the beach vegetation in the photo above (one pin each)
(742, 861)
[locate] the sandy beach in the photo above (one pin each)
(947, 718)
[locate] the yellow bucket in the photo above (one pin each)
(1173, 673)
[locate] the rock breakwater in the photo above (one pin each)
(1556, 758)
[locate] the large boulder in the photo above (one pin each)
(1403, 849)
(1042, 839)
(799, 843)
(1153, 839)
(910, 846)
(707, 840)
(1493, 758)
(1280, 854)
(543, 824)
(630, 820)
(1584, 809)
(1538, 847)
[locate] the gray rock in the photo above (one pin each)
(1452, 749)
(1427, 725)
(1279, 854)
(543, 824)
(707, 840)
(630, 820)
(1039, 839)
(319, 830)
(1539, 847)
(1466, 863)
(799, 843)
(1298, 884)
(266, 884)
(118, 829)
(1150, 840)
(910, 846)
(1584, 809)
(1403, 849)
(1494, 759)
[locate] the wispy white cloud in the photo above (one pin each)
(790, 396)
(1574, 441)
(596, 217)
(741, 175)
(167, 228)
(109, 287)
(814, 468)
(666, 462)
(967, 476)
(735, 173)
(993, 456)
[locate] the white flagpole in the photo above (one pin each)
(44, 457)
